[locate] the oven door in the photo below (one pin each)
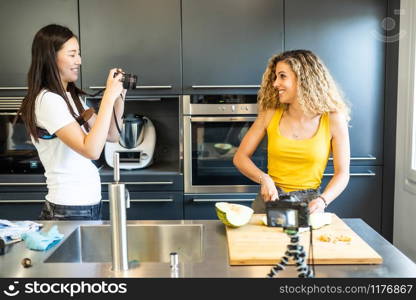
(209, 147)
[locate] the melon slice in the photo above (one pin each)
(233, 215)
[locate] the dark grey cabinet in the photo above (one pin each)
(228, 43)
(362, 197)
(19, 21)
(348, 36)
(21, 205)
(140, 36)
(202, 206)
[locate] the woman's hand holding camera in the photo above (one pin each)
(114, 86)
(268, 189)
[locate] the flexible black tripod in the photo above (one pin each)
(297, 252)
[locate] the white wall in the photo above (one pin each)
(404, 225)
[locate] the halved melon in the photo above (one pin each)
(233, 215)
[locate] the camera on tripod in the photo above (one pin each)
(288, 212)
(129, 80)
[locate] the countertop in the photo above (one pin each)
(214, 261)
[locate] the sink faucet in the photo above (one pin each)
(119, 201)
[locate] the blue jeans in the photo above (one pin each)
(57, 212)
(304, 195)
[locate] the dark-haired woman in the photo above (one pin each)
(50, 112)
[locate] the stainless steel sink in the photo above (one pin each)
(146, 243)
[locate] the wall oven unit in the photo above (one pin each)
(213, 127)
(17, 153)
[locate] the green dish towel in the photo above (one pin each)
(42, 241)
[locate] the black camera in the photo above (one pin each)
(288, 212)
(129, 80)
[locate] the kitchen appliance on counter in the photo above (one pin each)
(213, 127)
(137, 143)
(17, 153)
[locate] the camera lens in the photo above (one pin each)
(129, 81)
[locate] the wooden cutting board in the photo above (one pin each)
(257, 244)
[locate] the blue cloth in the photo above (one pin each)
(12, 231)
(42, 240)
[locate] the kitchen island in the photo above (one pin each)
(211, 258)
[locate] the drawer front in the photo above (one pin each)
(148, 183)
(21, 206)
(150, 206)
(202, 206)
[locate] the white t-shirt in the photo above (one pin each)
(72, 179)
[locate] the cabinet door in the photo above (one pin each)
(140, 36)
(202, 206)
(151, 206)
(348, 37)
(362, 196)
(228, 42)
(19, 22)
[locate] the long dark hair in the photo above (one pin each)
(44, 74)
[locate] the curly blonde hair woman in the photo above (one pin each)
(306, 119)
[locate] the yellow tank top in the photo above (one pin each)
(298, 164)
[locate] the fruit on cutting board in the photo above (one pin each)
(233, 215)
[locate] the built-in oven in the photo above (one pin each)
(213, 127)
(17, 153)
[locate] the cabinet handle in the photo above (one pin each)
(369, 173)
(22, 183)
(146, 200)
(22, 201)
(16, 88)
(138, 87)
(10, 103)
(8, 113)
(245, 86)
(145, 182)
(221, 200)
(369, 157)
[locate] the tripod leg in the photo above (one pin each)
(278, 267)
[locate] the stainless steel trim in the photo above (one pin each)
(22, 201)
(11, 98)
(369, 173)
(22, 183)
(222, 200)
(187, 153)
(147, 200)
(369, 157)
(244, 86)
(222, 119)
(13, 88)
(153, 87)
(8, 113)
(139, 87)
(141, 98)
(145, 182)
(217, 109)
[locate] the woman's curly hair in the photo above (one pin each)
(316, 89)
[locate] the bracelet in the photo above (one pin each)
(323, 199)
(261, 179)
